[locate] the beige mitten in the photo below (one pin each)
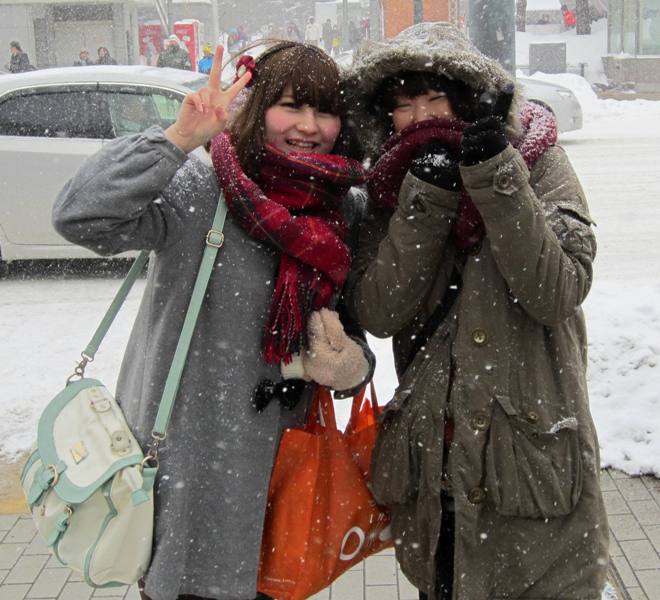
(333, 358)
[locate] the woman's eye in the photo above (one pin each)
(402, 106)
(437, 97)
(287, 104)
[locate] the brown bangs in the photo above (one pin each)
(313, 75)
(315, 80)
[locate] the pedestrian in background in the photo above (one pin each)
(327, 36)
(205, 63)
(243, 36)
(174, 56)
(293, 32)
(313, 32)
(568, 16)
(104, 57)
(84, 59)
(476, 259)
(19, 61)
(336, 41)
(353, 35)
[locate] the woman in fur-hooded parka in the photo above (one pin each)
(490, 347)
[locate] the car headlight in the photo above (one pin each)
(565, 93)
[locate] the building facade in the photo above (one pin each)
(399, 14)
(634, 43)
(53, 33)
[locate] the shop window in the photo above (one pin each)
(649, 27)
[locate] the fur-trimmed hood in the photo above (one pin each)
(438, 48)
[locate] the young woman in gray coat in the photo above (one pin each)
(476, 259)
(266, 327)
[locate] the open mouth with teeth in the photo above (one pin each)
(301, 144)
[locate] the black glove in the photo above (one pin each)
(435, 164)
(486, 137)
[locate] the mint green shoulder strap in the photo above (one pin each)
(102, 329)
(214, 239)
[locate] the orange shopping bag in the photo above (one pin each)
(321, 518)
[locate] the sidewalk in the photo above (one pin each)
(633, 505)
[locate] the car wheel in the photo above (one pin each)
(4, 267)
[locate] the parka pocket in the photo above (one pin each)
(533, 469)
(394, 470)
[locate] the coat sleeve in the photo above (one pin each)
(397, 259)
(539, 230)
(115, 202)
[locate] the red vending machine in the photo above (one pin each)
(151, 41)
(191, 33)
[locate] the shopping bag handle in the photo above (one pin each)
(358, 400)
(322, 410)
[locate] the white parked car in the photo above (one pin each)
(51, 120)
(558, 99)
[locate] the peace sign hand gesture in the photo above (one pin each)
(204, 113)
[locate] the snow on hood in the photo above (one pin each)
(438, 48)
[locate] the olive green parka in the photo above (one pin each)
(507, 362)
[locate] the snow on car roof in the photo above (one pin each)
(135, 74)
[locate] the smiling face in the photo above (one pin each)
(293, 127)
(409, 110)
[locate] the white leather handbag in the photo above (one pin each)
(87, 482)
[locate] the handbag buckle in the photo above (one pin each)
(79, 371)
(215, 238)
(151, 457)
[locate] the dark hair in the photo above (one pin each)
(415, 83)
(315, 80)
(16, 45)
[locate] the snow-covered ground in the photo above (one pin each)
(45, 323)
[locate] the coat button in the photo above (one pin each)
(479, 337)
(418, 205)
(476, 495)
(480, 421)
(504, 181)
(532, 417)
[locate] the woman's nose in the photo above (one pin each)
(307, 122)
(420, 112)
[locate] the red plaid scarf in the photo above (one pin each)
(539, 132)
(296, 207)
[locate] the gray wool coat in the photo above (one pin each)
(142, 192)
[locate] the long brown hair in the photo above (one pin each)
(315, 80)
